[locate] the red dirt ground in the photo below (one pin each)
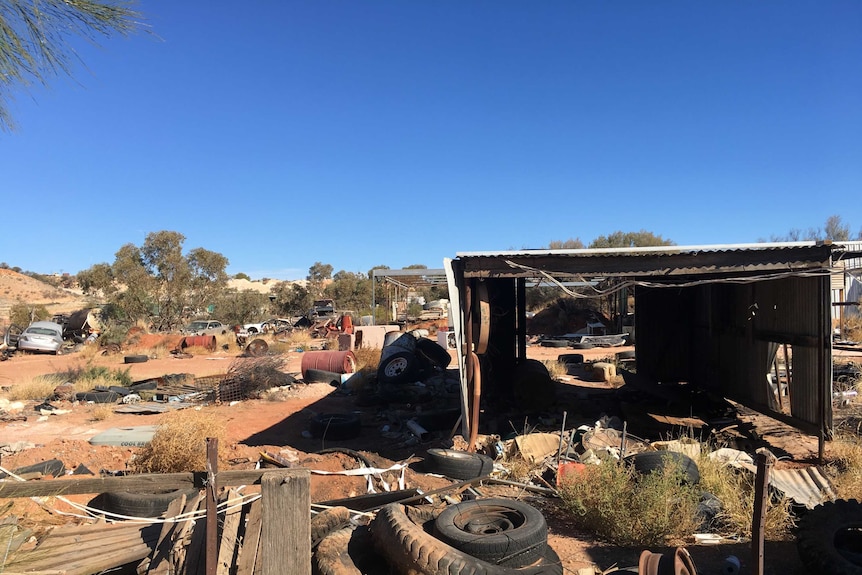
(254, 426)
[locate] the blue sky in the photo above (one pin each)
(358, 133)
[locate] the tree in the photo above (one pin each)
(35, 34)
(569, 244)
(241, 307)
(290, 299)
(835, 230)
(620, 239)
(23, 315)
(98, 280)
(318, 275)
(241, 276)
(156, 281)
(350, 290)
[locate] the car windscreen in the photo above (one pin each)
(43, 331)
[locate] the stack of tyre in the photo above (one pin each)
(408, 359)
(478, 537)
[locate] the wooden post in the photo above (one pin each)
(285, 539)
(765, 460)
(212, 511)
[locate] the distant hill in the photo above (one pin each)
(15, 287)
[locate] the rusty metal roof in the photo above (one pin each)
(745, 259)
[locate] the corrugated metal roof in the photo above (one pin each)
(661, 250)
(660, 261)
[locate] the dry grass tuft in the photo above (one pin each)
(846, 469)
(367, 358)
(735, 489)
(853, 328)
(626, 508)
(179, 444)
(38, 387)
(556, 369)
(101, 412)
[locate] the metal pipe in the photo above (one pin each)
(417, 430)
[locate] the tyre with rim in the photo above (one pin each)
(335, 426)
(498, 531)
(398, 367)
(829, 538)
(458, 464)
(409, 549)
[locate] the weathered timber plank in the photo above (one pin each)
(228, 546)
(285, 544)
(251, 540)
(143, 482)
(157, 562)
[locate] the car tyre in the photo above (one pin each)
(139, 504)
(135, 359)
(649, 461)
(829, 538)
(458, 464)
(499, 531)
(397, 368)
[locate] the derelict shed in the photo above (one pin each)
(715, 317)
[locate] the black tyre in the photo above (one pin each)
(649, 461)
(554, 343)
(629, 354)
(578, 345)
(431, 352)
(499, 531)
(135, 359)
(409, 549)
(829, 538)
(53, 467)
(321, 376)
(458, 464)
(335, 426)
(571, 358)
(328, 521)
(349, 551)
(397, 368)
(139, 504)
(98, 396)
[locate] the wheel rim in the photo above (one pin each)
(489, 520)
(396, 367)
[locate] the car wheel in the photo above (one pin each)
(500, 531)
(830, 538)
(252, 331)
(409, 549)
(458, 464)
(649, 461)
(139, 504)
(397, 368)
(433, 353)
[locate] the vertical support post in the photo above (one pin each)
(521, 295)
(211, 503)
(765, 461)
(285, 544)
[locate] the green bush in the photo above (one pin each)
(626, 508)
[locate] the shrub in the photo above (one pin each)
(556, 369)
(619, 505)
(846, 467)
(179, 443)
(39, 387)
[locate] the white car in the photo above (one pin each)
(44, 336)
(205, 327)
